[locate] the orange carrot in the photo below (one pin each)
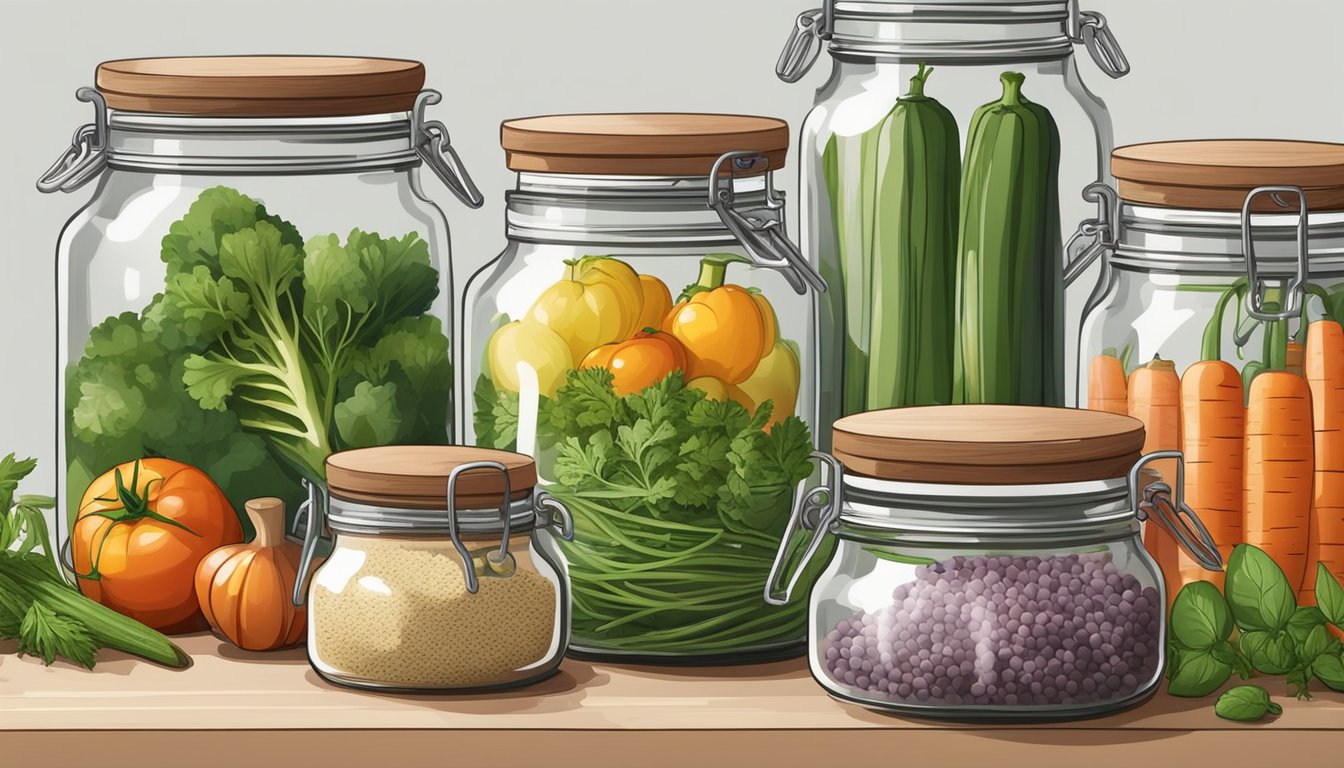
(1106, 385)
(1213, 421)
(1278, 470)
(1325, 376)
(1155, 399)
(1296, 358)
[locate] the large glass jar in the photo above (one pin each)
(647, 335)
(443, 574)
(1218, 260)
(988, 564)
(259, 277)
(880, 174)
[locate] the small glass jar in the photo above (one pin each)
(424, 590)
(1218, 254)
(988, 563)
(645, 314)
(857, 220)
(190, 153)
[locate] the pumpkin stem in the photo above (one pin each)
(268, 520)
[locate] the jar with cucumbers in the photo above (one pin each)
(1216, 320)
(939, 166)
(257, 280)
(646, 335)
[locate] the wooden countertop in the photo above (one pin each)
(232, 707)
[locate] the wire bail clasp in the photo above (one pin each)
(1101, 230)
(502, 561)
(313, 511)
(804, 44)
(760, 229)
(1090, 29)
(1157, 502)
(816, 510)
(86, 157)
(431, 142)
(1293, 291)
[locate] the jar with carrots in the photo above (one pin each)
(1216, 321)
(644, 335)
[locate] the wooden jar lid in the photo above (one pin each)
(650, 144)
(988, 444)
(416, 476)
(1217, 174)
(261, 86)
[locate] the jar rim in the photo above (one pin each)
(357, 517)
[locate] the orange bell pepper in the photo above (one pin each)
(720, 325)
(640, 362)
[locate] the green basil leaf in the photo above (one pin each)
(1271, 653)
(1200, 617)
(1317, 642)
(1259, 594)
(1198, 674)
(1224, 653)
(1246, 704)
(1305, 619)
(1329, 596)
(1329, 669)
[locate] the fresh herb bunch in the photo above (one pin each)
(1274, 635)
(679, 503)
(46, 615)
(260, 344)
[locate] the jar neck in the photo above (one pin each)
(615, 211)
(219, 146)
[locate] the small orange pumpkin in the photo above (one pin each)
(245, 589)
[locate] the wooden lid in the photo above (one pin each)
(988, 444)
(650, 144)
(416, 476)
(261, 86)
(1217, 174)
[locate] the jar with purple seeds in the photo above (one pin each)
(988, 562)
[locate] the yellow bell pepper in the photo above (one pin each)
(598, 303)
(776, 379)
(525, 352)
(771, 323)
(720, 325)
(657, 302)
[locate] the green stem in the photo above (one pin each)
(1012, 88)
(917, 82)
(1212, 346)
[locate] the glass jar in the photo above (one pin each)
(1177, 290)
(676, 432)
(172, 344)
(870, 203)
(443, 574)
(988, 564)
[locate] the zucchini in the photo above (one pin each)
(1010, 320)
(914, 253)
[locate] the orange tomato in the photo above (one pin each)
(640, 362)
(141, 530)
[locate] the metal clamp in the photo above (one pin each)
(761, 229)
(313, 512)
(558, 517)
(1293, 291)
(468, 565)
(804, 44)
(1158, 503)
(1102, 231)
(816, 510)
(431, 142)
(1090, 29)
(86, 157)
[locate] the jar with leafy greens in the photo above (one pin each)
(259, 278)
(941, 166)
(647, 336)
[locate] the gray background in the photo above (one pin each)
(1202, 68)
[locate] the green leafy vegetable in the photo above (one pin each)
(1200, 617)
(263, 346)
(46, 635)
(1247, 704)
(1329, 595)
(1197, 673)
(1270, 652)
(1258, 592)
(679, 502)
(1329, 669)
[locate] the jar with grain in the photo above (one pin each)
(988, 563)
(443, 574)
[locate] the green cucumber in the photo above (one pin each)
(1010, 324)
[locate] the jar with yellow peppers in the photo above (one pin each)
(644, 336)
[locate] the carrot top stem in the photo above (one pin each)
(1212, 347)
